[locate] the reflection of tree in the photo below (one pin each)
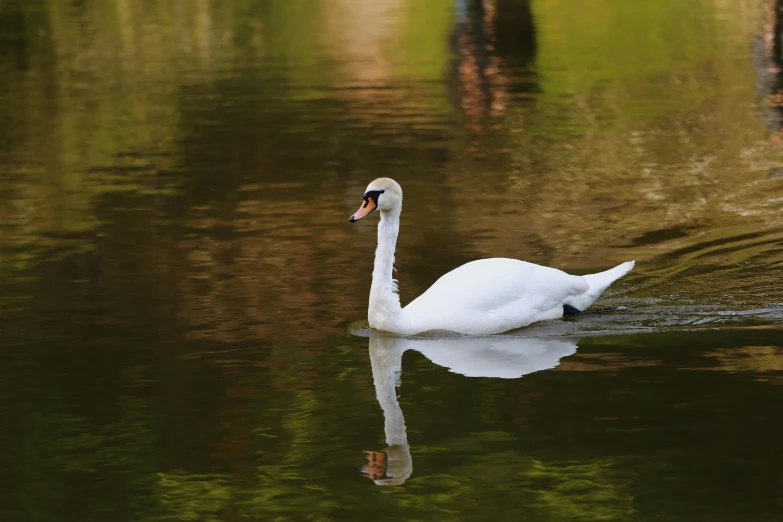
(493, 42)
(771, 65)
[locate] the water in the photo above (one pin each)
(182, 297)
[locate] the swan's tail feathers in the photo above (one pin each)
(600, 282)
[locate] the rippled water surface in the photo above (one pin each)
(183, 301)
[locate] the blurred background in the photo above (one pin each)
(178, 277)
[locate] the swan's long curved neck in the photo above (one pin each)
(384, 310)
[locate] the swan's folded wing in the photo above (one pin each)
(554, 283)
(492, 294)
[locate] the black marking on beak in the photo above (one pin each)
(374, 195)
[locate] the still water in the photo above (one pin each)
(182, 297)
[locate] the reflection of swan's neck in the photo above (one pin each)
(386, 367)
(384, 306)
(386, 360)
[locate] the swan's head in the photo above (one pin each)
(382, 194)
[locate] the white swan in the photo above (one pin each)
(483, 297)
(501, 357)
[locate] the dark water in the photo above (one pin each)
(181, 294)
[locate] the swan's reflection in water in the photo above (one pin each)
(499, 357)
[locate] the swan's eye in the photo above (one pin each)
(373, 195)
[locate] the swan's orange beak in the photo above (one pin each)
(367, 207)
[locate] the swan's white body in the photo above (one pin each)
(483, 297)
